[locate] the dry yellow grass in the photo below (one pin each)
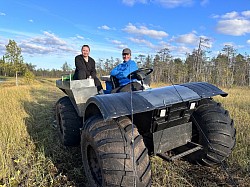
(22, 160)
(31, 155)
(12, 130)
(238, 103)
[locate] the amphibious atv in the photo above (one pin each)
(119, 131)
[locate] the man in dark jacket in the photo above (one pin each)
(85, 67)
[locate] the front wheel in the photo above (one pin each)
(215, 132)
(68, 122)
(111, 156)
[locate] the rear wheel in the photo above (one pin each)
(109, 156)
(68, 122)
(215, 132)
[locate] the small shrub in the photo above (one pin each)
(29, 77)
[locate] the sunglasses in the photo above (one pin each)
(123, 54)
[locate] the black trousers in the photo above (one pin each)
(133, 86)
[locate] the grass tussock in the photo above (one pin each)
(31, 154)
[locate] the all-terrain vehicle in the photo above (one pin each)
(118, 132)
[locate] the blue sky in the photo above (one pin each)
(51, 32)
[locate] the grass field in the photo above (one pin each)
(31, 154)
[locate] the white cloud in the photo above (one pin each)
(176, 51)
(164, 44)
(132, 2)
(234, 15)
(48, 43)
(2, 14)
(35, 48)
(235, 27)
(164, 3)
(79, 37)
(116, 42)
(173, 3)
(230, 15)
(2, 47)
(122, 46)
(50, 39)
(182, 50)
(189, 38)
(215, 16)
(234, 23)
(104, 27)
(248, 42)
(246, 13)
(31, 21)
(144, 31)
(142, 41)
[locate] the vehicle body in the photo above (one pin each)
(119, 131)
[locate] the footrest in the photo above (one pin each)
(182, 154)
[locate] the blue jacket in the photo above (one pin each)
(122, 70)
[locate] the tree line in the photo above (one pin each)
(228, 68)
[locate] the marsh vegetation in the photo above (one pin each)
(31, 154)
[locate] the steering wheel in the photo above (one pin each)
(140, 74)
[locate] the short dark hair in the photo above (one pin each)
(86, 46)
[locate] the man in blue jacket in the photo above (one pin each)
(122, 71)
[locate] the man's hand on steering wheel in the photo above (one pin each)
(140, 74)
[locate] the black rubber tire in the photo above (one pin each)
(68, 122)
(107, 153)
(216, 133)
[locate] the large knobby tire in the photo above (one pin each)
(68, 122)
(109, 156)
(216, 133)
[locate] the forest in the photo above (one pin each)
(227, 69)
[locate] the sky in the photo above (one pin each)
(51, 32)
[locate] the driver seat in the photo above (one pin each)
(114, 82)
(134, 86)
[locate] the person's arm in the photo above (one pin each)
(81, 67)
(131, 67)
(116, 70)
(93, 70)
(123, 70)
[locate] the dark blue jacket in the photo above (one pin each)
(122, 70)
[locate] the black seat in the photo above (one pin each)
(114, 81)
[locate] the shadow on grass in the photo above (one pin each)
(67, 169)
